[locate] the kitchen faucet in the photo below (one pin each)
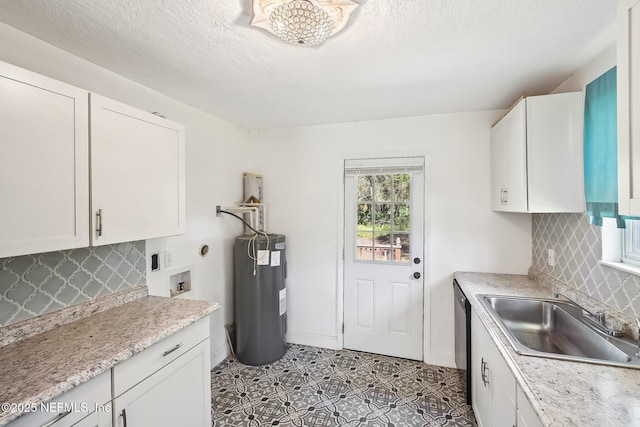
(597, 319)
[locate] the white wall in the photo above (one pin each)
(302, 185)
(215, 154)
(590, 71)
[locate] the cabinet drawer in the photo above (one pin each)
(140, 366)
(72, 406)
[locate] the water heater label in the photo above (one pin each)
(263, 257)
(275, 258)
(283, 301)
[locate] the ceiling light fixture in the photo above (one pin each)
(302, 22)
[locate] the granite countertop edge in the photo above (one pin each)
(537, 375)
(189, 312)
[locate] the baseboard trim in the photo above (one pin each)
(314, 340)
(441, 359)
(219, 354)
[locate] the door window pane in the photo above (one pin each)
(365, 218)
(383, 216)
(382, 246)
(364, 246)
(402, 248)
(401, 184)
(401, 217)
(365, 188)
(382, 188)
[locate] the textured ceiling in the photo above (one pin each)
(395, 58)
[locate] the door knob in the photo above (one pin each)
(416, 275)
(416, 260)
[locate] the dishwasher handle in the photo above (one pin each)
(459, 295)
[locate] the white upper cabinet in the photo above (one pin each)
(137, 174)
(44, 180)
(629, 107)
(536, 156)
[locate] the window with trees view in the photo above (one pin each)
(383, 207)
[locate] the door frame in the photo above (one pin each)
(340, 251)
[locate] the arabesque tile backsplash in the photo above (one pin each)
(32, 285)
(578, 248)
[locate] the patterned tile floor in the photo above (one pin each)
(313, 386)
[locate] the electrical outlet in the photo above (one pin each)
(168, 258)
(551, 257)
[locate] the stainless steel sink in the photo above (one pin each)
(556, 329)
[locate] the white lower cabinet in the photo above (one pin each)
(498, 400)
(168, 384)
(526, 415)
(87, 405)
(493, 386)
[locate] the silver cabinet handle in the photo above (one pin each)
(99, 222)
(56, 419)
(168, 352)
(503, 196)
(483, 372)
(123, 414)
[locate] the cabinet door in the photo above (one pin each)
(629, 107)
(177, 395)
(137, 174)
(509, 161)
(481, 383)
(493, 384)
(44, 164)
(555, 168)
(95, 419)
(503, 398)
(526, 415)
(499, 166)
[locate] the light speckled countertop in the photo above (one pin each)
(563, 393)
(40, 367)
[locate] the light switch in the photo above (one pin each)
(551, 257)
(168, 258)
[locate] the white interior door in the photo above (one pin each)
(383, 258)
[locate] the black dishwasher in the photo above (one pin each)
(463, 337)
